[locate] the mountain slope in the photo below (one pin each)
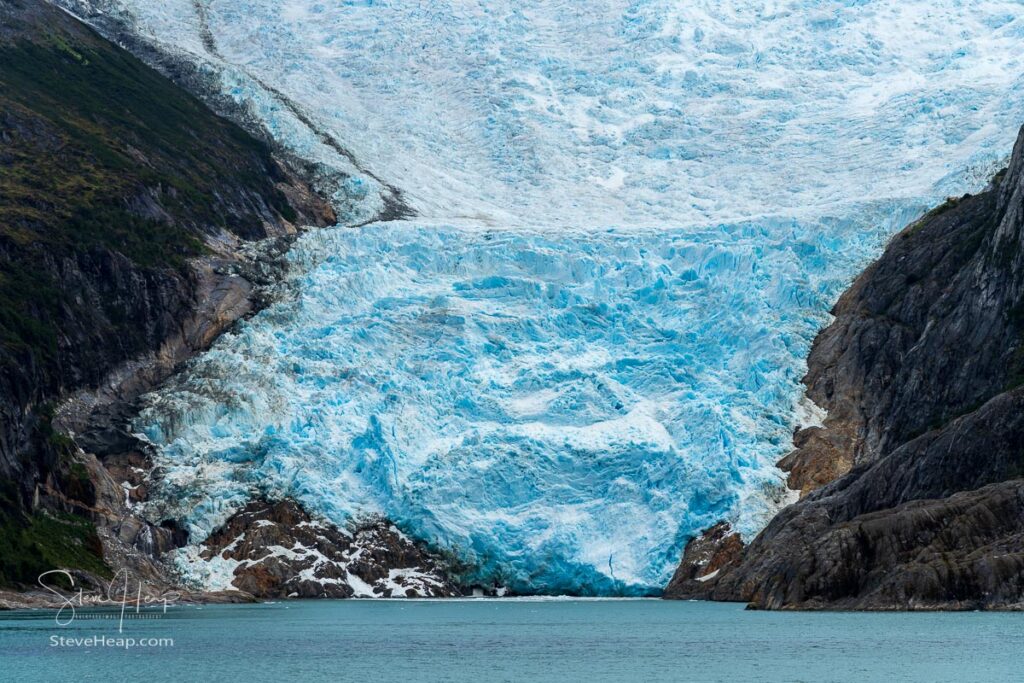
(123, 203)
(921, 374)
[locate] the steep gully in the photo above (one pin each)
(72, 503)
(395, 207)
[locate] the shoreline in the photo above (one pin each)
(39, 602)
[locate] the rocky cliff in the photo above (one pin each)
(913, 496)
(125, 208)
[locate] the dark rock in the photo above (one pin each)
(122, 221)
(821, 455)
(921, 374)
(278, 550)
(705, 559)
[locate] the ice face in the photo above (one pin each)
(560, 409)
(632, 218)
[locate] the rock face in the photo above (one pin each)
(135, 227)
(704, 559)
(125, 206)
(921, 374)
(276, 550)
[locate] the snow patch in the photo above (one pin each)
(708, 576)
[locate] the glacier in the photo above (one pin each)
(631, 217)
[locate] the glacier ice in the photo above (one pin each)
(620, 112)
(632, 216)
(560, 409)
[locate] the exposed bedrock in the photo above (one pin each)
(126, 225)
(921, 375)
(704, 558)
(134, 230)
(277, 550)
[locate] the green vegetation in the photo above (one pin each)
(110, 179)
(948, 205)
(100, 152)
(45, 540)
(61, 443)
(997, 179)
(33, 544)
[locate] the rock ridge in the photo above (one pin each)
(133, 231)
(911, 488)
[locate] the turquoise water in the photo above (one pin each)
(521, 640)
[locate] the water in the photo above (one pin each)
(514, 640)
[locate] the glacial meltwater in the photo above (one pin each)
(627, 220)
(515, 640)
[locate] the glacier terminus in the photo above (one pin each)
(582, 343)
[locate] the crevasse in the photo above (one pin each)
(631, 219)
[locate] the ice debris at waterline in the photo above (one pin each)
(558, 403)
